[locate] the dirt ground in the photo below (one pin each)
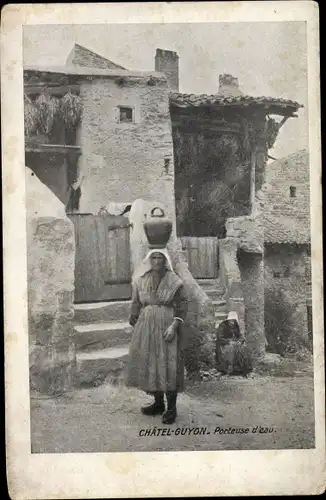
(108, 418)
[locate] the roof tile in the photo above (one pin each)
(186, 100)
(291, 230)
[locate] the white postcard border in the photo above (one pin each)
(102, 475)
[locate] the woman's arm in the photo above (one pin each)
(180, 305)
(180, 312)
(135, 306)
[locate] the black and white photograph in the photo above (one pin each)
(168, 237)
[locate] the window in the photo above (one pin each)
(167, 165)
(287, 272)
(309, 320)
(126, 114)
(293, 191)
(276, 274)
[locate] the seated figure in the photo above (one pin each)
(232, 355)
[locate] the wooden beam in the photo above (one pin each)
(206, 121)
(52, 148)
(271, 157)
(205, 125)
(211, 128)
(55, 91)
(284, 119)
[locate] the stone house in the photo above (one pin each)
(135, 140)
(124, 133)
(287, 241)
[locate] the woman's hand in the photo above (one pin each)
(133, 320)
(170, 332)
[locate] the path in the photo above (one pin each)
(107, 418)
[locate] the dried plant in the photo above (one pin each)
(30, 116)
(70, 110)
(45, 114)
(47, 111)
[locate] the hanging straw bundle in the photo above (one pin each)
(71, 110)
(30, 116)
(47, 112)
(47, 107)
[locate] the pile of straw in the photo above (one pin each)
(47, 111)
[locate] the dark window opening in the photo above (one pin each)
(73, 201)
(74, 194)
(126, 114)
(293, 191)
(276, 274)
(287, 272)
(166, 165)
(309, 319)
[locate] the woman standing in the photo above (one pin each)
(158, 310)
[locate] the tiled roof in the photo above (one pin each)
(81, 56)
(193, 100)
(286, 230)
(75, 71)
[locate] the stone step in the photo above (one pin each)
(219, 305)
(96, 336)
(208, 283)
(215, 294)
(95, 366)
(212, 287)
(221, 315)
(102, 312)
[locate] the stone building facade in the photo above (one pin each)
(286, 189)
(125, 158)
(138, 138)
(124, 134)
(287, 239)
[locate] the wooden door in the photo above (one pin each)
(202, 256)
(102, 264)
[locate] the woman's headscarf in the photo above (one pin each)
(145, 265)
(233, 316)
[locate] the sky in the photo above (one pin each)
(268, 59)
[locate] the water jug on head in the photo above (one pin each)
(157, 228)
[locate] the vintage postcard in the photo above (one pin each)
(162, 249)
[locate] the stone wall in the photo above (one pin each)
(285, 274)
(50, 263)
(252, 277)
(280, 175)
(287, 256)
(242, 271)
(125, 161)
(230, 276)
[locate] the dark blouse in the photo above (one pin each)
(228, 330)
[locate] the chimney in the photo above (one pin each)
(167, 62)
(229, 86)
